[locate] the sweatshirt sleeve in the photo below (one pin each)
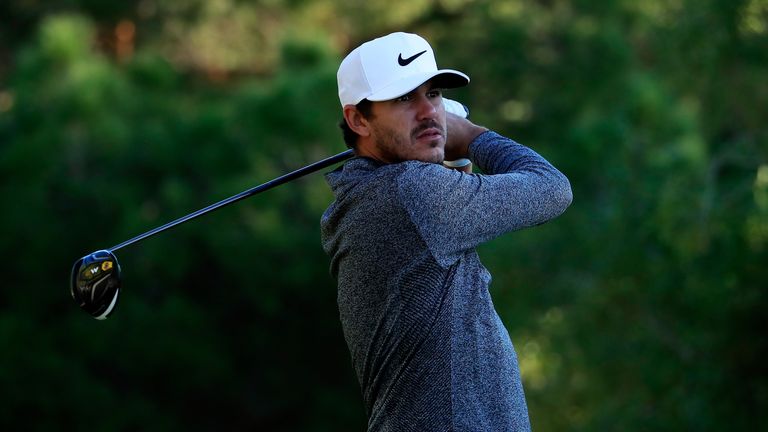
(455, 212)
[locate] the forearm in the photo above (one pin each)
(495, 155)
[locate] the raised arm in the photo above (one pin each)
(455, 212)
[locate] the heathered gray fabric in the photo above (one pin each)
(428, 347)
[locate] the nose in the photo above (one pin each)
(426, 108)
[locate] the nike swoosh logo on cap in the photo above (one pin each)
(405, 62)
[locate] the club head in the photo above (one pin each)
(95, 283)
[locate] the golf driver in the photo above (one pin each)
(95, 282)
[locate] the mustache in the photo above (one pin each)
(427, 124)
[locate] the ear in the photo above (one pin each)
(359, 124)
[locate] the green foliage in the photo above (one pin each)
(641, 308)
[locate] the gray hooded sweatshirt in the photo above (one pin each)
(429, 350)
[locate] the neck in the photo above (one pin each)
(366, 148)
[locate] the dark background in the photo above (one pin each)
(641, 308)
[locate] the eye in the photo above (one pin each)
(404, 98)
(435, 93)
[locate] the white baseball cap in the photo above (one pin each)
(389, 67)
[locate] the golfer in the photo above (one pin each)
(427, 345)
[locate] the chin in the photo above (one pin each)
(436, 157)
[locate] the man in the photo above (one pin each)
(427, 345)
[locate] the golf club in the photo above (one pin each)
(95, 283)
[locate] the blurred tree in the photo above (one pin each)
(640, 308)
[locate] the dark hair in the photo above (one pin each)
(350, 137)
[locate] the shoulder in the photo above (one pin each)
(422, 174)
(423, 183)
(422, 170)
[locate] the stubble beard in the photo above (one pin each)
(392, 144)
